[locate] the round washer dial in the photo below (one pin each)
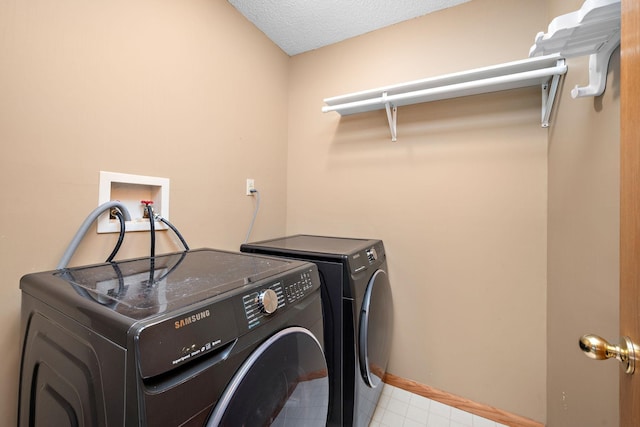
(268, 301)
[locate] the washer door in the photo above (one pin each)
(284, 381)
(375, 329)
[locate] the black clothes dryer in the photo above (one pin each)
(358, 313)
(199, 338)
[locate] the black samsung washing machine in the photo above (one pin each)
(358, 317)
(198, 338)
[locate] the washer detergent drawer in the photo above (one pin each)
(171, 343)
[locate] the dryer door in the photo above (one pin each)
(375, 329)
(284, 381)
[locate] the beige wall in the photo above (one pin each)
(583, 263)
(187, 90)
(459, 199)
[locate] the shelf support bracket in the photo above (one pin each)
(598, 68)
(549, 91)
(392, 116)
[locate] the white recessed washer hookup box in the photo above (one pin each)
(130, 190)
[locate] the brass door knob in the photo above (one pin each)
(598, 348)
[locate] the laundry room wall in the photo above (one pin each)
(186, 90)
(460, 199)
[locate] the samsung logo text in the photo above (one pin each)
(191, 319)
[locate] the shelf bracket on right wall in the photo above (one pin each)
(592, 30)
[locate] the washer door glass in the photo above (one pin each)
(283, 382)
(375, 329)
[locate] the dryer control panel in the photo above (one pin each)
(362, 260)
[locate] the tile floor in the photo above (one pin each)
(399, 408)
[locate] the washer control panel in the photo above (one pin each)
(298, 289)
(263, 303)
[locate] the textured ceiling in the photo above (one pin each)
(301, 25)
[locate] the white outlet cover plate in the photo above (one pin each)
(136, 188)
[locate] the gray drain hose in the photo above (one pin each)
(71, 249)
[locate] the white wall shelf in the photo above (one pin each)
(592, 30)
(543, 71)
